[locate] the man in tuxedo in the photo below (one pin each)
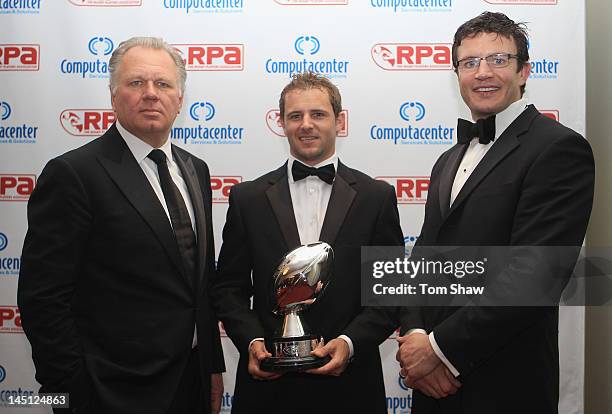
(312, 197)
(116, 262)
(515, 178)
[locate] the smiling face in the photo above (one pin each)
(147, 98)
(487, 91)
(310, 125)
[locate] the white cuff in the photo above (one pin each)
(251, 343)
(440, 354)
(415, 330)
(349, 343)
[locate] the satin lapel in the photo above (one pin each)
(504, 145)
(123, 169)
(199, 212)
(340, 200)
(280, 200)
(448, 177)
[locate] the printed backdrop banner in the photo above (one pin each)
(390, 59)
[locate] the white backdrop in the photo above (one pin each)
(390, 59)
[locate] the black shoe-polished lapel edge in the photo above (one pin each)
(280, 200)
(340, 201)
(448, 177)
(199, 212)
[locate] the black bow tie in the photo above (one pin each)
(483, 129)
(301, 171)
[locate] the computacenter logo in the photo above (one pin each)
(19, 6)
(415, 131)
(415, 6)
(203, 131)
(11, 133)
(306, 47)
(9, 264)
(205, 6)
(100, 47)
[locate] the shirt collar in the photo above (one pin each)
(331, 160)
(508, 115)
(139, 148)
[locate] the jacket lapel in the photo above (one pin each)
(123, 169)
(280, 200)
(448, 177)
(505, 144)
(340, 201)
(199, 212)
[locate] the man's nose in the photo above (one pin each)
(484, 70)
(306, 122)
(150, 91)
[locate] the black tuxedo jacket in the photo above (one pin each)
(534, 187)
(104, 298)
(260, 229)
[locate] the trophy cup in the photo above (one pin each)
(299, 281)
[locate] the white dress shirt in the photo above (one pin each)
(140, 150)
(473, 155)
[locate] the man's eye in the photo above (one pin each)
(163, 85)
(136, 83)
(470, 64)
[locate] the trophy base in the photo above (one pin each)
(293, 365)
(293, 355)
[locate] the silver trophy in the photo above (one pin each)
(299, 281)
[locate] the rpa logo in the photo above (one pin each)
(203, 112)
(221, 187)
(86, 122)
(413, 112)
(16, 187)
(100, 47)
(409, 189)
(212, 57)
(10, 320)
(19, 57)
(306, 47)
(551, 113)
(412, 56)
(106, 3)
(15, 133)
(274, 125)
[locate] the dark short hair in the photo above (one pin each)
(311, 80)
(502, 25)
